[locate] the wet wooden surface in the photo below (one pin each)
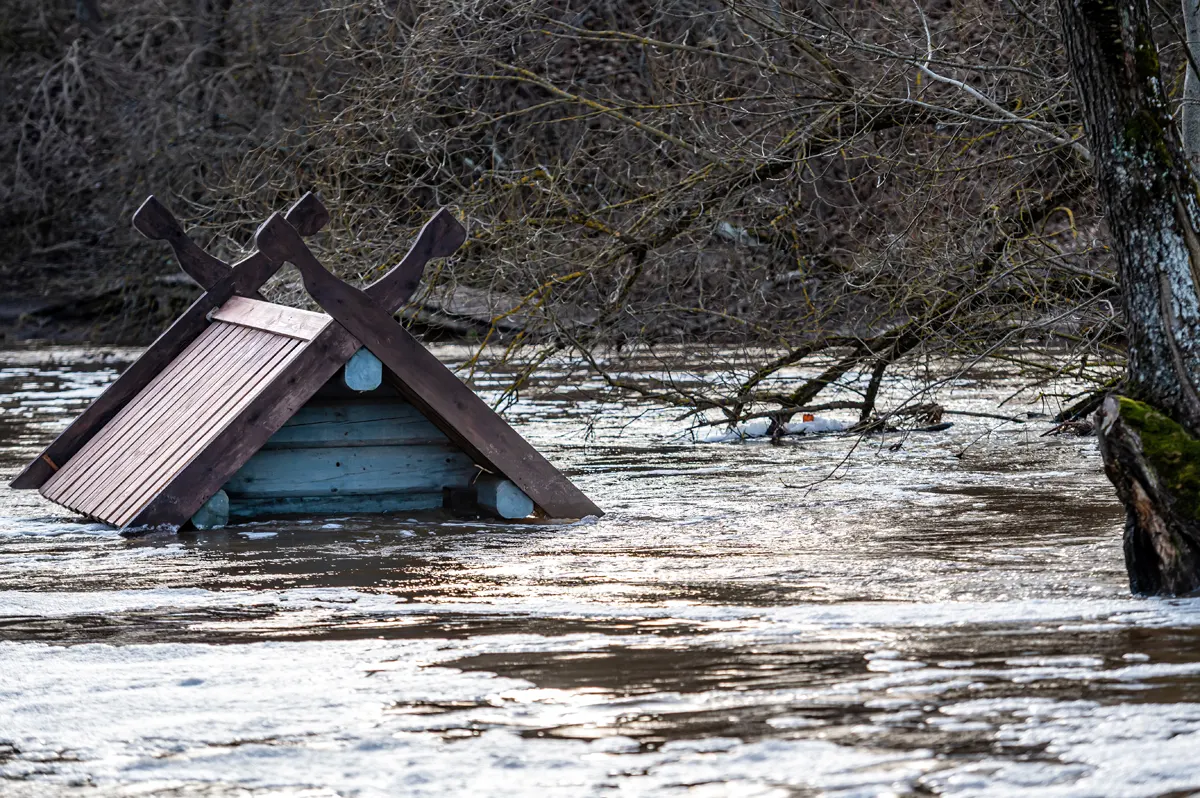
(245, 278)
(435, 390)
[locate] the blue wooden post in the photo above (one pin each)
(214, 514)
(501, 497)
(363, 372)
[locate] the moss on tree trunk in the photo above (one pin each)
(1155, 465)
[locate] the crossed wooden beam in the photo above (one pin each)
(453, 407)
(360, 318)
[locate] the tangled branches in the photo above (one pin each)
(103, 103)
(805, 195)
(776, 185)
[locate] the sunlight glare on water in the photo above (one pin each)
(949, 617)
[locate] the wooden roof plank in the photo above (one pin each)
(128, 451)
(225, 406)
(205, 389)
(62, 486)
(267, 316)
(93, 467)
(172, 449)
(246, 277)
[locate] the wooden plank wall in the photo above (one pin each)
(376, 453)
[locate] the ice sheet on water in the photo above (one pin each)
(281, 714)
(51, 604)
(1129, 750)
(50, 527)
(333, 715)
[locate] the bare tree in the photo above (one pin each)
(1148, 443)
(806, 195)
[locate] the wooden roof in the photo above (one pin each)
(183, 410)
(233, 369)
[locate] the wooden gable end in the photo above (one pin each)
(356, 447)
(230, 409)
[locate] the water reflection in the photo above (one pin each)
(949, 616)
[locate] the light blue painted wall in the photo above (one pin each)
(351, 470)
(245, 509)
(348, 422)
(361, 453)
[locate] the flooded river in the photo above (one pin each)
(946, 616)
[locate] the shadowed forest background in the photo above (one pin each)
(850, 189)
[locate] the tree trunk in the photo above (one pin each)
(1190, 117)
(1153, 218)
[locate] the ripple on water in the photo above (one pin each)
(947, 617)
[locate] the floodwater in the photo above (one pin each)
(946, 616)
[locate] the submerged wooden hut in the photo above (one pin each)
(245, 409)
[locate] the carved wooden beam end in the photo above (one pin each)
(439, 238)
(154, 221)
(308, 215)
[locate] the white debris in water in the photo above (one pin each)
(760, 428)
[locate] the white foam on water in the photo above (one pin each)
(320, 715)
(1128, 750)
(760, 428)
(1084, 613)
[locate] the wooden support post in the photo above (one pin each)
(363, 372)
(214, 514)
(502, 498)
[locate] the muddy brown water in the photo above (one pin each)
(946, 617)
